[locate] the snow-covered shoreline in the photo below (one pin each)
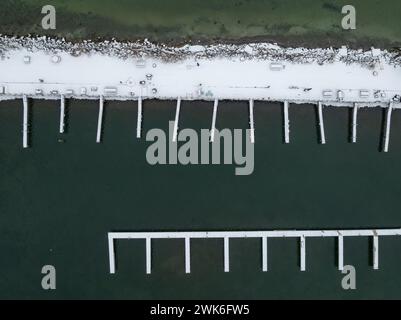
(46, 68)
(146, 49)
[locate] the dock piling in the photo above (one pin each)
(148, 255)
(213, 128)
(139, 119)
(354, 122)
(259, 234)
(264, 254)
(112, 261)
(62, 113)
(302, 253)
(340, 253)
(25, 122)
(187, 255)
(226, 255)
(388, 124)
(375, 252)
(286, 123)
(100, 120)
(251, 121)
(321, 123)
(177, 117)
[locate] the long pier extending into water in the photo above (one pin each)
(286, 122)
(302, 235)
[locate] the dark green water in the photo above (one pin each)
(292, 23)
(59, 200)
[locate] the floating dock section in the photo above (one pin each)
(374, 234)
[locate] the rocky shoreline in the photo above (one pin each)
(166, 53)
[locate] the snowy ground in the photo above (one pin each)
(371, 79)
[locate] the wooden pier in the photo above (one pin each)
(302, 235)
(354, 122)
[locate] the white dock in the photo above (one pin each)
(226, 254)
(139, 119)
(213, 128)
(251, 122)
(62, 113)
(100, 120)
(302, 245)
(177, 118)
(25, 122)
(112, 259)
(354, 122)
(264, 254)
(187, 255)
(388, 124)
(263, 235)
(286, 123)
(375, 252)
(321, 123)
(340, 253)
(148, 256)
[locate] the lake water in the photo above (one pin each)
(59, 200)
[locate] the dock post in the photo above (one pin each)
(213, 129)
(100, 120)
(226, 255)
(286, 123)
(251, 122)
(187, 255)
(177, 117)
(354, 122)
(25, 122)
(62, 113)
(264, 254)
(112, 261)
(340, 252)
(148, 255)
(375, 252)
(321, 123)
(388, 124)
(139, 118)
(303, 252)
